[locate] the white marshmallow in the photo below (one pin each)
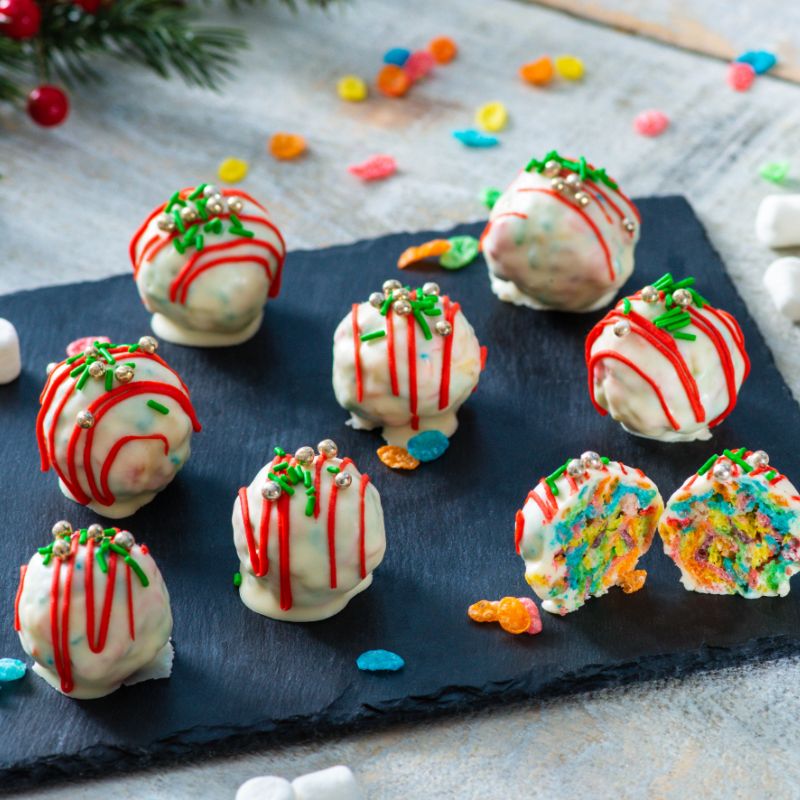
(782, 281)
(778, 220)
(10, 362)
(267, 787)
(335, 783)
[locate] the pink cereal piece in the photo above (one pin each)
(651, 122)
(374, 169)
(536, 621)
(79, 345)
(419, 64)
(740, 76)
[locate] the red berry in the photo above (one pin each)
(89, 6)
(47, 106)
(19, 19)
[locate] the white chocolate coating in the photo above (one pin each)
(778, 220)
(266, 787)
(591, 538)
(224, 305)
(307, 573)
(633, 401)
(140, 468)
(542, 252)
(379, 407)
(10, 361)
(782, 281)
(121, 658)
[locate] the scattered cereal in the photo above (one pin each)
(489, 196)
(515, 614)
(539, 72)
(419, 64)
(374, 169)
(533, 612)
(740, 76)
(11, 669)
(393, 81)
(775, 171)
(569, 67)
(463, 250)
(633, 581)
(380, 661)
(352, 88)
(483, 611)
(232, 170)
(760, 60)
(651, 123)
(397, 457)
(84, 343)
(492, 116)
(237, 578)
(397, 56)
(443, 49)
(428, 445)
(431, 249)
(474, 138)
(286, 146)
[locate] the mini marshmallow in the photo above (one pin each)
(10, 362)
(778, 220)
(267, 787)
(782, 281)
(335, 783)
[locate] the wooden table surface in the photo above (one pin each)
(70, 199)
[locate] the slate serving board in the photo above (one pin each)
(239, 678)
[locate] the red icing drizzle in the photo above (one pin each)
(391, 354)
(519, 527)
(357, 353)
(284, 553)
(450, 311)
(362, 528)
(22, 570)
(412, 370)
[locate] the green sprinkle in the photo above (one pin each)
(46, 560)
(386, 304)
(199, 241)
(432, 312)
(626, 306)
(282, 465)
(279, 451)
(553, 488)
(179, 246)
(699, 300)
(109, 531)
(77, 371)
(489, 196)
(175, 198)
(198, 191)
(771, 474)
(683, 284)
(82, 380)
(664, 280)
(282, 482)
(669, 301)
(311, 504)
(131, 562)
(100, 555)
(73, 359)
(333, 470)
(737, 459)
(294, 476)
(307, 479)
(605, 459)
(689, 337)
(179, 222)
(133, 348)
(215, 226)
(84, 535)
(44, 550)
(156, 406)
(237, 578)
(426, 331)
(109, 380)
(368, 337)
(707, 466)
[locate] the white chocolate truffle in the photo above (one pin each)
(392, 370)
(778, 220)
(308, 533)
(582, 530)
(334, 783)
(91, 629)
(734, 527)
(10, 361)
(116, 426)
(782, 281)
(665, 369)
(556, 240)
(205, 264)
(266, 787)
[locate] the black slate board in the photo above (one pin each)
(240, 678)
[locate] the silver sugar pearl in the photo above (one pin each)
(148, 344)
(551, 168)
(581, 198)
(123, 373)
(650, 294)
(189, 214)
(575, 468)
(430, 288)
(166, 223)
(443, 327)
(391, 285)
(401, 294)
(95, 532)
(758, 458)
(89, 352)
(62, 548)
(558, 185)
(62, 528)
(682, 297)
(97, 369)
(235, 204)
(401, 307)
(629, 225)
(328, 448)
(124, 539)
(622, 327)
(210, 190)
(85, 419)
(271, 490)
(51, 366)
(343, 479)
(591, 460)
(215, 206)
(305, 456)
(376, 299)
(722, 471)
(574, 181)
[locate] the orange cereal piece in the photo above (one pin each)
(443, 49)
(432, 249)
(393, 81)
(397, 457)
(483, 611)
(513, 616)
(539, 72)
(632, 581)
(286, 146)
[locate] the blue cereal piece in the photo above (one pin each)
(11, 669)
(380, 661)
(474, 138)
(428, 445)
(760, 60)
(397, 55)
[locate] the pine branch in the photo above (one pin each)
(12, 62)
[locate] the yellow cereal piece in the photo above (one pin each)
(492, 117)
(232, 170)
(352, 88)
(569, 67)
